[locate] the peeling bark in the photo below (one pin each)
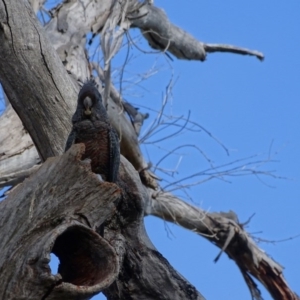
(71, 22)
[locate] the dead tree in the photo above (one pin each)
(57, 202)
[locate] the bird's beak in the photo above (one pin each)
(87, 112)
(87, 102)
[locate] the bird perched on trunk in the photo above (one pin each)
(92, 128)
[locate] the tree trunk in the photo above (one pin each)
(57, 209)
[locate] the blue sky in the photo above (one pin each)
(253, 107)
(246, 104)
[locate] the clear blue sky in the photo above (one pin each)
(246, 104)
(249, 105)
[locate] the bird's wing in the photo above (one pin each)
(114, 151)
(70, 140)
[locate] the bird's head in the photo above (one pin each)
(89, 105)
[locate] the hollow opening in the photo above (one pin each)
(54, 262)
(3, 191)
(84, 259)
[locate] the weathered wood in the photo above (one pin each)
(225, 231)
(70, 23)
(163, 35)
(57, 209)
(34, 78)
(36, 4)
(69, 42)
(18, 154)
(145, 273)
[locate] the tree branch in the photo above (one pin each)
(42, 86)
(224, 230)
(43, 99)
(63, 199)
(161, 34)
(210, 48)
(18, 155)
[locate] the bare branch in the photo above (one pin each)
(46, 88)
(136, 117)
(161, 34)
(223, 230)
(240, 167)
(159, 124)
(179, 147)
(274, 242)
(210, 48)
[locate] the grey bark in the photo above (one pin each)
(70, 45)
(61, 215)
(36, 5)
(18, 155)
(145, 273)
(67, 30)
(42, 89)
(225, 231)
(78, 204)
(162, 35)
(39, 214)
